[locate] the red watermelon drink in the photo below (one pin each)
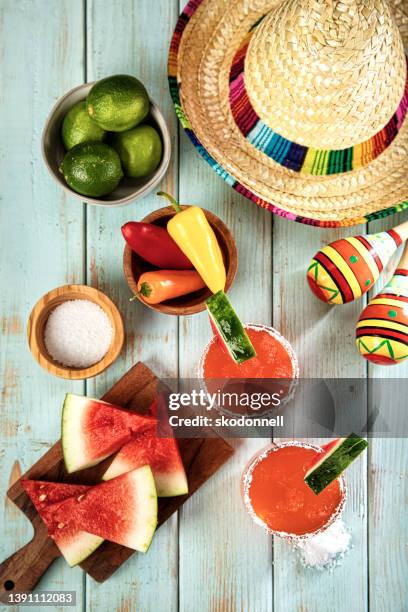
(278, 499)
(275, 358)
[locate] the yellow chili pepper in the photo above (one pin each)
(193, 234)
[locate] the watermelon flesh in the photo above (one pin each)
(93, 430)
(44, 494)
(123, 510)
(74, 543)
(163, 456)
(228, 328)
(331, 463)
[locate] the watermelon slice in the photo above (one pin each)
(123, 510)
(74, 543)
(331, 463)
(229, 329)
(92, 430)
(163, 456)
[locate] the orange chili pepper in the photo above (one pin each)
(162, 285)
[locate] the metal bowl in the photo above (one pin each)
(129, 189)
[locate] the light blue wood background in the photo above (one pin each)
(210, 557)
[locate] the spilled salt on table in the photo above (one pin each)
(78, 333)
(324, 549)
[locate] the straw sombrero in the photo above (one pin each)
(300, 105)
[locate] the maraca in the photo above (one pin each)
(382, 329)
(347, 268)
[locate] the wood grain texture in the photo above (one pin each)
(221, 562)
(131, 36)
(41, 241)
(225, 563)
(323, 336)
(388, 488)
(22, 571)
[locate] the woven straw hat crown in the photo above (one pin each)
(326, 74)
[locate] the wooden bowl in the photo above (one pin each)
(134, 265)
(38, 319)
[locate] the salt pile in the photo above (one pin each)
(78, 333)
(325, 549)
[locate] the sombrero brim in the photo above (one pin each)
(206, 38)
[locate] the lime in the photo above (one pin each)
(78, 127)
(140, 150)
(92, 169)
(118, 103)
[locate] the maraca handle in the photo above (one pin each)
(402, 231)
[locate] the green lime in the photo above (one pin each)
(92, 169)
(78, 127)
(140, 150)
(118, 103)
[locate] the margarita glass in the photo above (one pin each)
(277, 498)
(275, 359)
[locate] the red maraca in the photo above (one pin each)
(347, 268)
(382, 329)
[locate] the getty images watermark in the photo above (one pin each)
(204, 399)
(316, 408)
(233, 401)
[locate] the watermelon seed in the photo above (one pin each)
(61, 525)
(80, 497)
(42, 497)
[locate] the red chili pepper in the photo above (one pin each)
(155, 245)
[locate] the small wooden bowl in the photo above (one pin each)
(134, 266)
(38, 319)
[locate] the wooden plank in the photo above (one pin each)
(323, 337)
(225, 561)
(129, 36)
(388, 531)
(388, 489)
(41, 58)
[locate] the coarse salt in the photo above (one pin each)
(78, 333)
(324, 549)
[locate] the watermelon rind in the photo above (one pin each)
(168, 483)
(145, 491)
(117, 467)
(76, 547)
(75, 436)
(79, 549)
(72, 439)
(171, 485)
(123, 510)
(331, 464)
(229, 328)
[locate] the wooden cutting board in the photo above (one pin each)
(202, 457)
